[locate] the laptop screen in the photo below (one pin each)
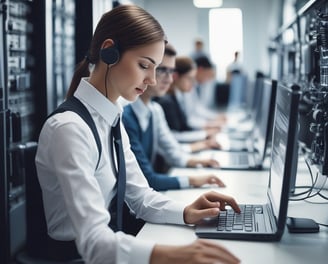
(283, 144)
(262, 123)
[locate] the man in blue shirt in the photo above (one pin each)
(149, 135)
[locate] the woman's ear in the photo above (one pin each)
(108, 43)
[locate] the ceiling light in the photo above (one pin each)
(207, 3)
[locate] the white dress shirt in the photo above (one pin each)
(196, 112)
(163, 139)
(76, 197)
(187, 136)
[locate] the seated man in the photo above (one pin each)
(149, 135)
(198, 111)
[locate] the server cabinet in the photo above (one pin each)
(60, 47)
(18, 113)
(27, 95)
(42, 41)
(302, 49)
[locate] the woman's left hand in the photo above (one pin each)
(199, 162)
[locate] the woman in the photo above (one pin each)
(125, 50)
(174, 104)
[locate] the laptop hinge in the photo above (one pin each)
(273, 222)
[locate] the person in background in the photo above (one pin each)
(125, 50)
(174, 103)
(199, 115)
(237, 79)
(234, 67)
(149, 135)
(198, 49)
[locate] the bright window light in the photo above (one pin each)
(225, 37)
(207, 3)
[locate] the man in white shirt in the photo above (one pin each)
(199, 114)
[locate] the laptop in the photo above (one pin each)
(252, 152)
(263, 122)
(265, 221)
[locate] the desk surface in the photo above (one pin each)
(250, 187)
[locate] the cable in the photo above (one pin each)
(106, 75)
(323, 196)
(309, 193)
(310, 187)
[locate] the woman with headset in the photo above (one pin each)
(79, 183)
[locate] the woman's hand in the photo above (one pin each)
(212, 131)
(208, 205)
(201, 162)
(200, 180)
(209, 143)
(200, 251)
(212, 143)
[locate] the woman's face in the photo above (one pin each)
(135, 70)
(186, 81)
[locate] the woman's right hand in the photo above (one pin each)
(200, 180)
(200, 251)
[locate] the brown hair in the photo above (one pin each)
(129, 26)
(184, 64)
(170, 50)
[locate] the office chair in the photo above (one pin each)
(35, 220)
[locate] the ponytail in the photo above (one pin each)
(82, 70)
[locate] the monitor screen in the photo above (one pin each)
(266, 109)
(283, 143)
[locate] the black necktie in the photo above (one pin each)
(120, 174)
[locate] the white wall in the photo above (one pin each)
(183, 22)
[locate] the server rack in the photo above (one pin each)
(300, 55)
(60, 43)
(17, 118)
(42, 43)
(31, 85)
(4, 216)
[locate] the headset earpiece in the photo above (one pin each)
(110, 55)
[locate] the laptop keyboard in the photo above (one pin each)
(231, 221)
(241, 159)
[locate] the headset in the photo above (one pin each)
(110, 55)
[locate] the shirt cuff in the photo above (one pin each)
(174, 213)
(186, 147)
(141, 251)
(184, 182)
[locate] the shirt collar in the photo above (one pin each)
(142, 113)
(90, 96)
(180, 96)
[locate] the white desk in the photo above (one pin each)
(250, 187)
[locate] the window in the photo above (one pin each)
(226, 37)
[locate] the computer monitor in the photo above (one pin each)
(286, 99)
(265, 114)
